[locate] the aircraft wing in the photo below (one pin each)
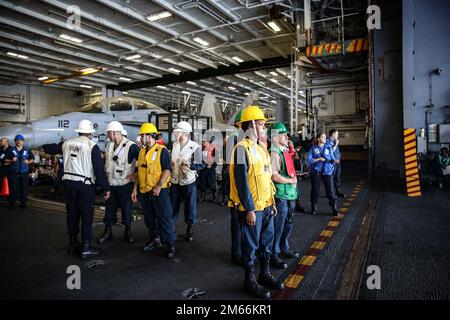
(131, 123)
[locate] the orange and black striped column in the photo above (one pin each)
(411, 165)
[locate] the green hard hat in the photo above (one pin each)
(237, 118)
(279, 127)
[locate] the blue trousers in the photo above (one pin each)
(207, 178)
(283, 225)
(315, 187)
(337, 177)
(80, 199)
(225, 182)
(189, 193)
(259, 237)
(120, 198)
(158, 215)
(236, 232)
(18, 187)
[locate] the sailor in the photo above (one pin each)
(83, 170)
(121, 156)
(19, 159)
(207, 175)
(154, 168)
(252, 195)
(333, 141)
(235, 218)
(321, 161)
(186, 162)
(285, 179)
(4, 167)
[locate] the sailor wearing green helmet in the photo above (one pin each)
(285, 180)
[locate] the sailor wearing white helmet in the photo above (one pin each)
(121, 155)
(186, 162)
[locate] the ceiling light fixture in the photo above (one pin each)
(70, 38)
(13, 54)
(133, 57)
(231, 88)
(85, 86)
(124, 79)
(192, 83)
(236, 58)
(42, 78)
(161, 87)
(203, 42)
(174, 70)
(274, 26)
(273, 73)
(158, 16)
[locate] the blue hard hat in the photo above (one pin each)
(19, 137)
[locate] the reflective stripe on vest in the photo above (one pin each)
(259, 177)
(119, 171)
(77, 154)
(185, 176)
(149, 168)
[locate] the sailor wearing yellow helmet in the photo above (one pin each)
(252, 195)
(154, 166)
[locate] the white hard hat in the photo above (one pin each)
(114, 126)
(85, 126)
(124, 132)
(183, 126)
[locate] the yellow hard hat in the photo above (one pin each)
(252, 113)
(148, 128)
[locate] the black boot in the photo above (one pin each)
(314, 209)
(277, 262)
(152, 244)
(89, 251)
(171, 250)
(107, 235)
(224, 201)
(299, 207)
(336, 212)
(214, 196)
(189, 233)
(252, 287)
(339, 194)
(289, 254)
(266, 277)
(128, 235)
(202, 196)
(74, 245)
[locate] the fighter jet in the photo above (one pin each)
(131, 112)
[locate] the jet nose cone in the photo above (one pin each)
(12, 130)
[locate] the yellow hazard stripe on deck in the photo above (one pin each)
(319, 245)
(326, 233)
(307, 260)
(334, 223)
(293, 280)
